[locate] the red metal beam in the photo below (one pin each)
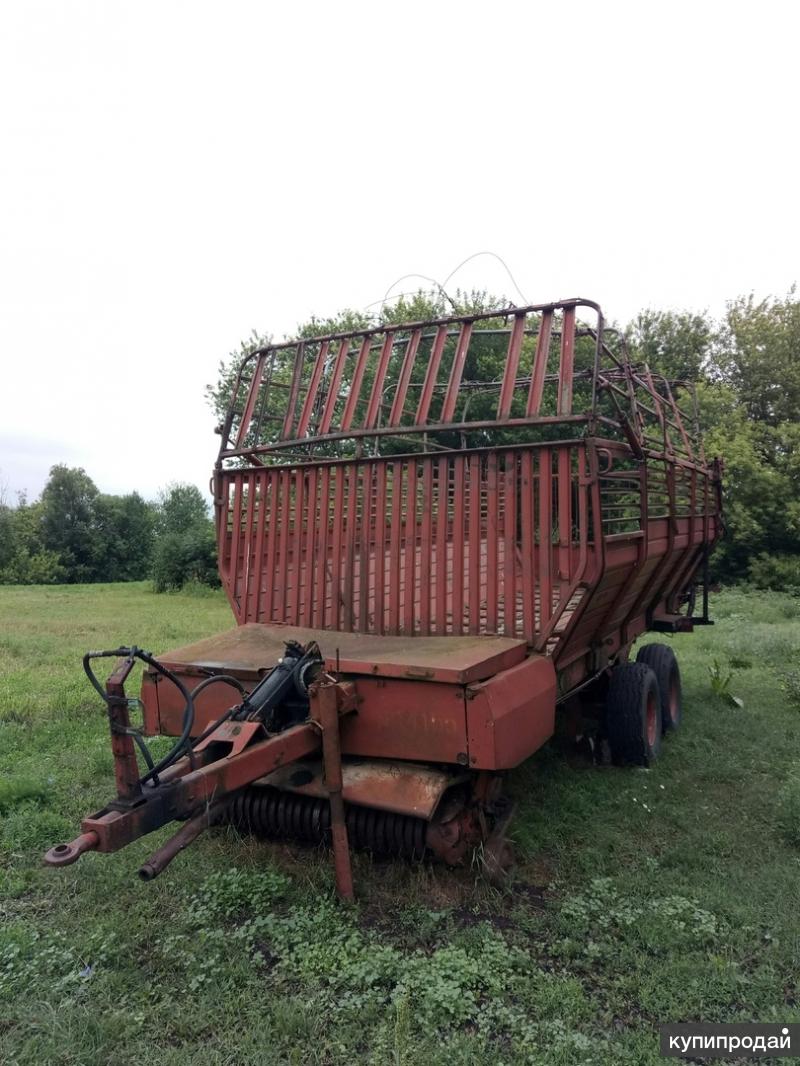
(398, 404)
(540, 361)
(511, 366)
(456, 372)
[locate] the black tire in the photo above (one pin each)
(661, 660)
(633, 715)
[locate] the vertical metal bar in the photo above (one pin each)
(374, 406)
(474, 526)
(271, 526)
(313, 388)
(249, 548)
(311, 568)
(380, 546)
(526, 530)
(281, 565)
(431, 375)
(410, 552)
(492, 521)
(567, 362)
(252, 396)
(510, 546)
(295, 547)
(321, 574)
(540, 361)
(351, 537)
(512, 366)
(324, 706)
(396, 414)
(564, 516)
(333, 388)
(126, 770)
(456, 371)
(222, 505)
(443, 520)
(458, 544)
(394, 546)
(426, 547)
(355, 384)
(583, 510)
(338, 529)
(545, 536)
(236, 533)
(266, 387)
(258, 564)
(365, 495)
(297, 373)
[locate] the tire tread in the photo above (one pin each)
(662, 661)
(626, 694)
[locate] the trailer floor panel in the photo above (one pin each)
(252, 648)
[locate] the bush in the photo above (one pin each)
(780, 572)
(37, 568)
(186, 556)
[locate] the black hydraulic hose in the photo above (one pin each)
(184, 743)
(188, 713)
(143, 748)
(228, 679)
(188, 717)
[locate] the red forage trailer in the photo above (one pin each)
(432, 536)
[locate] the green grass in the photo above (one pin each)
(640, 896)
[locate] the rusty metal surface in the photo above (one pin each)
(251, 648)
(185, 836)
(396, 491)
(325, 714)
(397, 381)
(512, 715)
(236, 734)
(422, 546)
(126, 771)
(66, 854)
(389, 785)
(190, 789)
(397, 718)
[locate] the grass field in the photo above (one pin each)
(640, 896)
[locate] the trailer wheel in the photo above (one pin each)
(661, 660)
(633, 715)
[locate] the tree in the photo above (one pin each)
(676, 344)
(23, 558)
(125, 528)
(68, 521)
(186, 557)
(757, 353)
(180, 505)
(185, 546)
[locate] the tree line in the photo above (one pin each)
(746, 372)
(75, 533)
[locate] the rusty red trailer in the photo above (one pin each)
(472, 519)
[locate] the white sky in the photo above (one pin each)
(173, 174)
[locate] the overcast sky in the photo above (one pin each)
(175, 174)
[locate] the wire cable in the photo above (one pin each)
(503, 263)
(441, 287)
